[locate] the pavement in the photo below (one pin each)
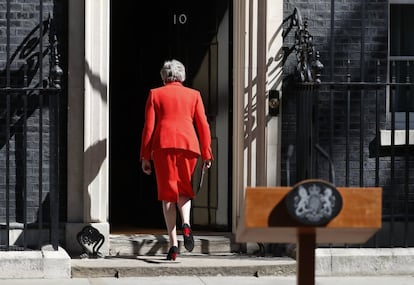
(140, 259)
(216, 255)
(214, 280)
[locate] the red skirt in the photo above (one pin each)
(173, 170)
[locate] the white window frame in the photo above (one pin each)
(399, 135)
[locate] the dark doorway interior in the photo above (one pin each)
(141, 39)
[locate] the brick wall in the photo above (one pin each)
(353, 56)
(362, 53)
(27, 151)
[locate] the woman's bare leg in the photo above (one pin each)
(184, 207)
(170, 217)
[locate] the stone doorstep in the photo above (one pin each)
(147, 244)
(44, 263)
(185, 265)
(329, 262)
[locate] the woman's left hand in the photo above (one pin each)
(207, 163)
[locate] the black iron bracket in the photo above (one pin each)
(91, 240)
(309, 67)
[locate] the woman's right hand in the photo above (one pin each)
(146, 166)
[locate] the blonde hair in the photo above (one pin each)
(172, 70)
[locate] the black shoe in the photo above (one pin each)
(188, 237)
(172, 253)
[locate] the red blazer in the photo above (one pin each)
(171, 114)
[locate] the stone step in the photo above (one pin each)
(329, 262)
(144, 254)
(188, 264)
(155, 244)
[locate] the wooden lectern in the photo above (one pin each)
(266, 219)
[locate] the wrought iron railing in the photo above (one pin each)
(30, 91)
(353, 132)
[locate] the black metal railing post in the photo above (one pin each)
(55, 74)
(308, 76)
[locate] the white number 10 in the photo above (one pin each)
(180, 19)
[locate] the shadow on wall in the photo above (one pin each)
(94, 156)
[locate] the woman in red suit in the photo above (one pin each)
(169, 138)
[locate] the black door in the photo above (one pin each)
(141, 40)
